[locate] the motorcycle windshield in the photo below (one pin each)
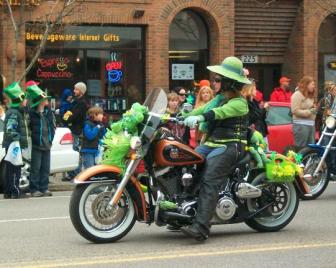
(156, 102)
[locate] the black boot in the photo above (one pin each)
(195, 231)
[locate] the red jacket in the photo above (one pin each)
(281, 95)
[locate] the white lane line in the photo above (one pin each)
(36, 219)
(36, 198)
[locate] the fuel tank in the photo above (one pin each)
(174, 153)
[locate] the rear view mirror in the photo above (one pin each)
(187, 107)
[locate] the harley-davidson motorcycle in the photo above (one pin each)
(319, 160)
(106, 202)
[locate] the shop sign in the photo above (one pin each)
(107, 37)
(330, 67)
(182, 71)
(249, 58)
(18, 2)
(54, 67)
(113, 68)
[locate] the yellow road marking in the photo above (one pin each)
(118, 259)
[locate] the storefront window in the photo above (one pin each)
(108, 59)
(327, 51)
(188, 49)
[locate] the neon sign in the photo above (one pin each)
(113, 68)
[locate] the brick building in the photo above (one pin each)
(124, 48)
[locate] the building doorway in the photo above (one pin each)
(188, 50)
(266, 75)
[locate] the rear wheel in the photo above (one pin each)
(92, 219)
(311, 158)
(283, 201)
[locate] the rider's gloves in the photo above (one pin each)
(191, 121)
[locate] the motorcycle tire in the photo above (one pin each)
(318, 189)
(98, 227)
(281, 213)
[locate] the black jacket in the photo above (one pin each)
(42, 126)
(77, 119)
(257, 117)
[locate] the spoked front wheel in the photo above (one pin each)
(280, 201)
(94, 220)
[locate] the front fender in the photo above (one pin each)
(106, 173)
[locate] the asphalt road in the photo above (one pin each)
(38, 233)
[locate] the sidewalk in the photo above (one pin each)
(56, 183)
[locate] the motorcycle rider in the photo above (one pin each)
(225, 144)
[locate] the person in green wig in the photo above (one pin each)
(225, 144)
(15, 130)
(42, 124)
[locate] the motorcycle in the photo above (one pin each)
(318, 160)
(106, 202)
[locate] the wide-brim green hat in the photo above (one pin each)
(15, 94)
(231, 67)
(36, 95)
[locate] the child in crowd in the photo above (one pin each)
(15, 129)
(93, 132)
(42, 125)
(66, 102)
(172, 111)
(205, 94)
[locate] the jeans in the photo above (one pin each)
(88, 160)
(75, 147)
(12, 179)
(39, 170)
(218, 165)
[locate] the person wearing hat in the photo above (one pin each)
(42, 125)
(225, 144)
(15, 129)
(283, 92)
(75, 119)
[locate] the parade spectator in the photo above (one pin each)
(2, 86)
(182, 94)
(15, 129)
(304, 110)
(66, 102)
(205, 94)
(74, 119)
(93, 132)
(2, 117)
(283, 92)
(325, 104)
(172, 111)
(257, 115)
(42, 125)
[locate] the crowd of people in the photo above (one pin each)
(25, 115)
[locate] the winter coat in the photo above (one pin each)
(257, 117)
(15, 128)
(281, 95)
(76, 121)
(92, 133)
(65, 105)
(42, 126)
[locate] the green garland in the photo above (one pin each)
(117, 139)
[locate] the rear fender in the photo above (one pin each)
(109, 173)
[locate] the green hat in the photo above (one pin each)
(231, 67)
(36, 95)
(15, 93)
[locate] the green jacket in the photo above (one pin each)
(228, 122)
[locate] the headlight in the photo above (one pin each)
(135, 143)
(330, 122)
